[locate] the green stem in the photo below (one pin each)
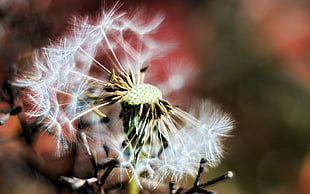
(133, 185)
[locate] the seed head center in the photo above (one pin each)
(143, 93)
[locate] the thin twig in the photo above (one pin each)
(224, 176)
(201, 168)
(199, 188)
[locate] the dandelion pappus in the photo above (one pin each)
(97, 73)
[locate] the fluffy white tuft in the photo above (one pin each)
(199, 138)
(58, 90)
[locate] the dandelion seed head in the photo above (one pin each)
(75, 83)
(143, 93)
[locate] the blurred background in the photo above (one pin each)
(252, 58)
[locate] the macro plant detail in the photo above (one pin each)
(89, 91)
(142, 109)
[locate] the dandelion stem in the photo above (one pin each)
(133, 186)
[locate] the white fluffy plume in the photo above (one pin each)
(68, 77)
(200, 137)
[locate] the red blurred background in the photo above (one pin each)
(252, 57)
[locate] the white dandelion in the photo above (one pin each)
(74, 83)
